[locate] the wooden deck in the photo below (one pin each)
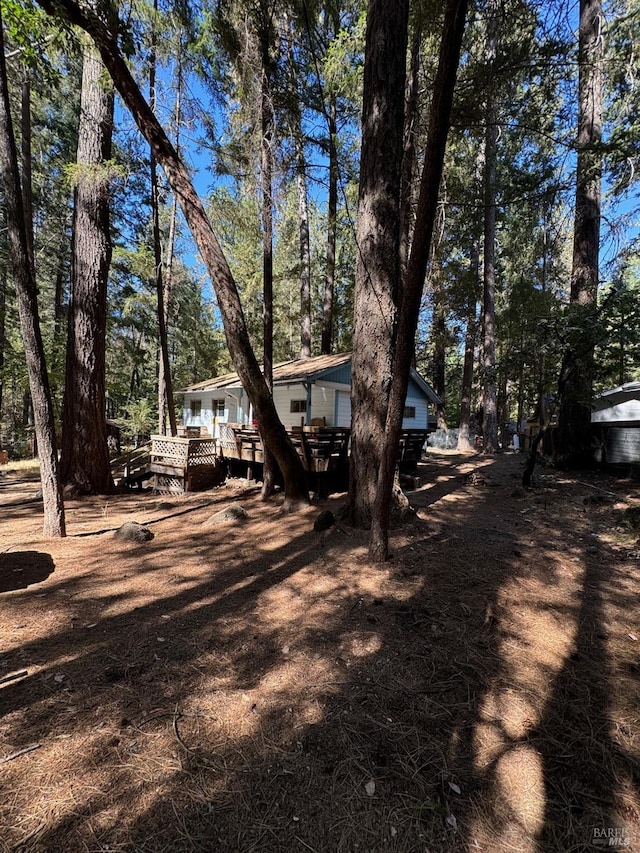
(185, 464)
(410, 448)
(324, 452)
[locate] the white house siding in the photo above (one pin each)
(420, 420)
(282, 397)
(343, 409)
(329, 401)
(323, 403)
(205, 419)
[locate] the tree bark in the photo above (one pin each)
(168, 269)
(266, 146)
(439, 119)
(3, 314)
(242, 354)
(409, 153)
(439, 351)
(54, 520)
(84, 462)
(332, 225)
(305, 252)
(490, 392)
(165, 387)
(378, 235)
(27, 182)
(575, 386)
(464, 441)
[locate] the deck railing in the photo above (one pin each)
(185, 464)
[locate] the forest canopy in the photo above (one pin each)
(262, 102)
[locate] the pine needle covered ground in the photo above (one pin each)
(258, 686)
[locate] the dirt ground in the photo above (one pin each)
(258, 686)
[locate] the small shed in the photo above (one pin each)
(615, 421)
(307, 392)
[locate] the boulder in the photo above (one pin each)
(131, 531)
(229, 513)
(324, 521)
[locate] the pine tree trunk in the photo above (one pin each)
(27, 183)
(304, 239)
(25, 284)
(490, 391)
(168, 269)
(267, 124)
(575, 386)
(165, 387)
(167, 281)
(236, 332)
(378, 236)
(409, 153)
(464, 436)
(3, 314)
(58, 344)
(439, 118)
(332, 225)
(305, 253)
(84, 461)
(439, 351)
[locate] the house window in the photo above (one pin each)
(298, 407)
(409, 412)
(196, 408)
(217, 407)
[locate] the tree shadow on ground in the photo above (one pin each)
(20, 569)
(303, 700)
(590, 777)
(549, 759)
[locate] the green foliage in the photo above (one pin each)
(618, 351)
(139, 418)
(314, 56)
(344, 60)
(28, 30)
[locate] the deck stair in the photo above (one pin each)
(132, 468)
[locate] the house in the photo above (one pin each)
(615, 421)
(306, 392)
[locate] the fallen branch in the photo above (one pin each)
(597, 488)
(19, 752)
(13, 677)
(27, 838)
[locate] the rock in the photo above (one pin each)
(131, 531)
(165, 505)
(324, 521)
(630, 518)
(596, 500)
(229, 513)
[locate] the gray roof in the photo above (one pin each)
(302, 370)
(628, 391)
